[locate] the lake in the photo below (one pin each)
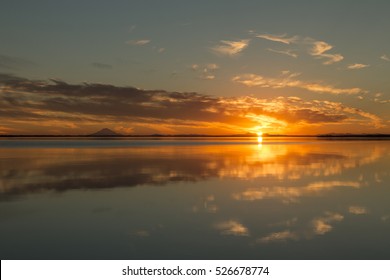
(194, 198)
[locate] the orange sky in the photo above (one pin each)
(57, 107)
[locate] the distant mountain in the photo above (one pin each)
(105, 132)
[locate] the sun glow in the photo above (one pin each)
(259, 137)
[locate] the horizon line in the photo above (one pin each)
(204, 135)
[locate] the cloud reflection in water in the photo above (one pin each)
(240, 197)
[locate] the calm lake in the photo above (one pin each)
(214, 198)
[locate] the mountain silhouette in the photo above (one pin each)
(105, 132)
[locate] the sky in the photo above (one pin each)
(194, 67)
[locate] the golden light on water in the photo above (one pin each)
(260, 140)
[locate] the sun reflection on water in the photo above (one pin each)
(260, 140)
(260, 137)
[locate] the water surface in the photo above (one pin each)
(194, 199)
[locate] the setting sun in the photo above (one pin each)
(260, 137)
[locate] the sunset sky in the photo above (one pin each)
(209, 67)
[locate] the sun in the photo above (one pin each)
(259, 136)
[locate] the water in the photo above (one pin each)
(194, 199)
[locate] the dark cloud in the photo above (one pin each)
(312, 116)
(24, 99)
(101, 99)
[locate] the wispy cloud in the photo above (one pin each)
(205, 71)
(279, 236)
(357, 66)
(212, 66)
(385, 57)
(279, 38)
(324, 224)
(232, 227)
(319, 49)
(138, 42)
(208, 77)
(326, 185)
(357, 210)
(230, 48)
(289, 80)
(377, 98)
(6, 130)
(285, 52)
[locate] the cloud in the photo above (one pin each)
(385, 57)
(206, 71)
(279, 38)
(231, 48)
(212, 66)
(138, 42)
(25, 104)
(377, 99)
(357, 66)
(232, 227)
(101, 65)
(5, 130)
(289, 80)
(319, 186)
(324, 225)
(319, 49)
(278, 237)
(124, 130)
(208, 77)
(194, 67)
(357, 210)
(286, 52)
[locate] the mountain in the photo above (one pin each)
(105, 132)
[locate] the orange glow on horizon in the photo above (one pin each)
(259, 137)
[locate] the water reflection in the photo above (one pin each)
(292, 194)
(39, 170)
(250, 201)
